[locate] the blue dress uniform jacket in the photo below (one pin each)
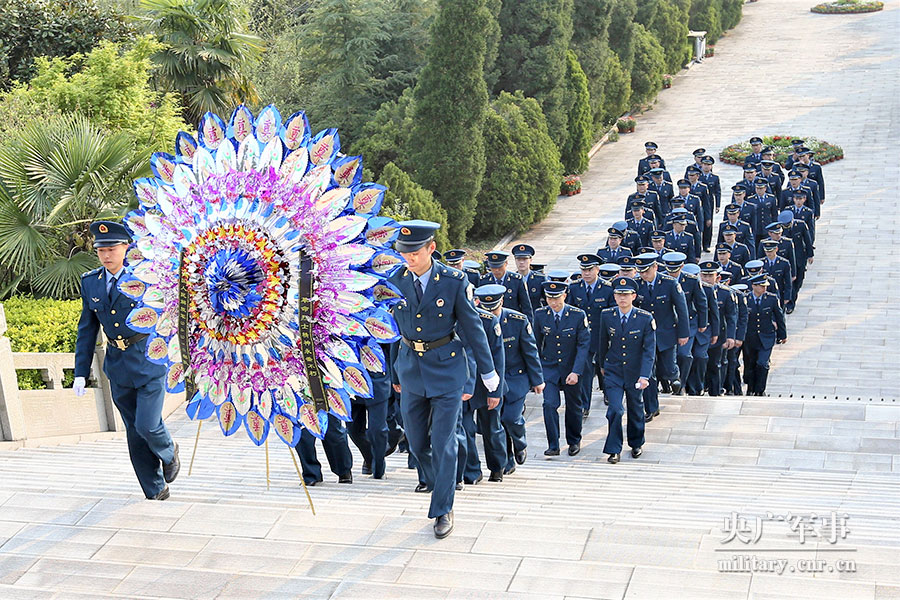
(780, 271)
(665, 192)
(696, 302)
(683, 242)
(609, 255)
(445, 307)
(516, 297)
(813, 187)
(736, 270)
(137, 385)
(765, 321)
(787, 198)
(715, 187)
(523, 372)
(668, 306)
(562, 349)
(805, 215)
(432, 380)
(643, 228)
(600, 298)
(744, 235)
(110, 312)
(475, 409)
(726, 299)
(766, 211)
(786, 249)
(631, 350)
(533, 283)
(626, 353)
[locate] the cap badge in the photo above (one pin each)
(405, 231)
(103, 228)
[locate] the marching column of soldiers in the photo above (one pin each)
(665, 306)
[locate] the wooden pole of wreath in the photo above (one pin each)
(303, 483)
(194, 453)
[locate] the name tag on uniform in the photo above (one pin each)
(634, 332)
(546, 329)
(568, 329)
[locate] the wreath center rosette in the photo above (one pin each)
(259, 271)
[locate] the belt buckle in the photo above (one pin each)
(120, 344)
(419, 346)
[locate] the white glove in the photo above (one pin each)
(78, 386)
(491, 381)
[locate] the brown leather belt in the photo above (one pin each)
(123, 344)
(420, 346)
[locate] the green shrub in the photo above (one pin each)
(41, 325)
(705, 16)
(646, 75)
(405, 199)
(616, 89)
(732, 10)
(575, 148)
(523, 172)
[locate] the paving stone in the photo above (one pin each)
(75, 575)
(276, 588)
(173, 583)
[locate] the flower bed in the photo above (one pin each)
(667, 81)
(824, 151)
(844, 7)
(626, 125)
(570, 186)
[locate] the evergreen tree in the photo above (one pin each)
(590, 41)
(705, 16)
(646, 75)
(532, 56)
(616, 90)
(405, 199)
(621, 26)
(451, 99)
(574, 152)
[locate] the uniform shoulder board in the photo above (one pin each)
(609, 310)
(544, 309)
(451, 272)
(689, 276)
(576, 310)
(667, 277)
(602, 283)
(641, 311)
(485, 315)
(704, 284)
(517, 315)
(513, 275)
(92, 272)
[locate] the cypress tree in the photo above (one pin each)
(590, 41)
(574, 152)
(450, 102)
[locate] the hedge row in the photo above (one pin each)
(41, 325)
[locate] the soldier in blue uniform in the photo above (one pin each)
(766, 204)
(723, 254)
(430, 369)
(678, 210)
(472, 269)
(768, 161)
(705, 338)
(815, 171)
(481, 405)
(690, 201)
(663, 297)
(639, 223)
(650, 150)
(812, 185)
(614, 249)
(698, 310)
(740, 253)
(773, 177)
(804, 251)
(517, 297)
(707, 204)
(732, 384)
(698, 155)
(563, 339)
(744, 230)
(786, 247)
(801, 212)
(794, 185)
(746, 183)
(531, 277)
(626, 351)
(778, 269)
(679, 241)
(523, 372)
(756, 147)
(369, 428)
(726, 306)
(711, 180)
(590, 295)
(658, 241)
(137, 385)
(765, 328)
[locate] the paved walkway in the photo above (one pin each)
(785, 71)
(72, 524)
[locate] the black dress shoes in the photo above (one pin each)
(170, 471)
(394, 441)
(313, 482)
(676, 387)
(346, 478)
(635, 452)
(163, 495)
(574, 449)
(551, 452)
(422, 488)
(443, 525)
(521, 455)
(475, 481)
(613, 458)
(459, 487)
(496, 476)
(586, 413)
(510, 470)
(366, 469)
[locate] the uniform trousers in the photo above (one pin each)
(512, 418)
(615, 387)
(337, 452)
(369, 432)
(149, 443)
(574, 413)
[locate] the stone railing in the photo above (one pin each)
(55, 414)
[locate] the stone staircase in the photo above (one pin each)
(72, 523)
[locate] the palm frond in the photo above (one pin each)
(62, 277)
